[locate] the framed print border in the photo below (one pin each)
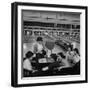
(14, 43)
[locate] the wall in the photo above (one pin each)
(5, 46)
(55, 17)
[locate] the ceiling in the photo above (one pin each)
(56, 17)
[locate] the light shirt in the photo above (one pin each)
(69, 55)
(76, 58)
(27, 65)
(66, 63)
(38, 47)
(74, 44)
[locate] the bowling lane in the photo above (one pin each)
(28, 46)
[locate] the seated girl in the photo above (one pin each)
(64, 62)
(69, 55)
(27, 67)
(73, 68)
(76, 56)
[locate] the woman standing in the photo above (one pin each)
(39, 46)
(39, 51)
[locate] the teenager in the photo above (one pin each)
(64, 62)
(73, 68)
(76, 61)
(76, 56)
(27, 66)
(69, 55)
(39, 46)
(39, 51)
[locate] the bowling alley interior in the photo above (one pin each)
(50, 43)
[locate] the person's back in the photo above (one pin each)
(27, 64)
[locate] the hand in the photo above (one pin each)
(59, 68)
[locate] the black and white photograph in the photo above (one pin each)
(49, 44)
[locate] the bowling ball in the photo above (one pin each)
(49, 45)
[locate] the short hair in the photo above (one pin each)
(76, 50)
(29, 54)
(43, 52)
(70, 47)
(39, 56)
(62, 55)
(39, 39)
(54, 56)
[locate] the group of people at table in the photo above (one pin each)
(59, 60)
